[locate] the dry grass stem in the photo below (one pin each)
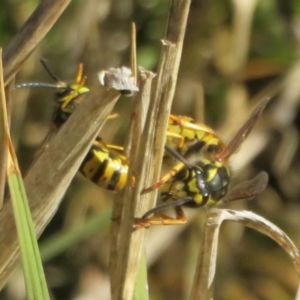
(287, 150)
(286, 108)
(125, 204)
(242, 26)
(3, 152)
(49, 177)
(30, 35)
(133, 52)
(206, 267)
(298, 294)
(130, 244)
(3, 137)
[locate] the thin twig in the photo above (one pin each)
(125, 205)
(206, 267)
(30, 35)
(3, 150)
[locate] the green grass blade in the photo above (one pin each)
(141, 290)
(35, 281)
(32, 265)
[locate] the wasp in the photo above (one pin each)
(202, 175)
(104, 164)
(68, 96)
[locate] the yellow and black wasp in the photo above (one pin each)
(68, 96)
(104, 164)
(202, 176)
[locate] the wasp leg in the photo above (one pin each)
(177, 168)
(79, 77)
(176, 136)
(116, 150)
(115, 147)
(112, 116)
(76, 87)
(188, 123)
(163, 219)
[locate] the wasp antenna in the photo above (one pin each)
(178, 156)
(36, 85)
(44, 62)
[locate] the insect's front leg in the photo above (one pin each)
(176, 169)
(161, 219)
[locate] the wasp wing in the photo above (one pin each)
(241, 135)
(248, 189)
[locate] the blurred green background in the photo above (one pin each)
(232, 50)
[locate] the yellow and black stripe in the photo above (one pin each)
(105, 167)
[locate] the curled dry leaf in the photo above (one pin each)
(120, 79)
(205, 272)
